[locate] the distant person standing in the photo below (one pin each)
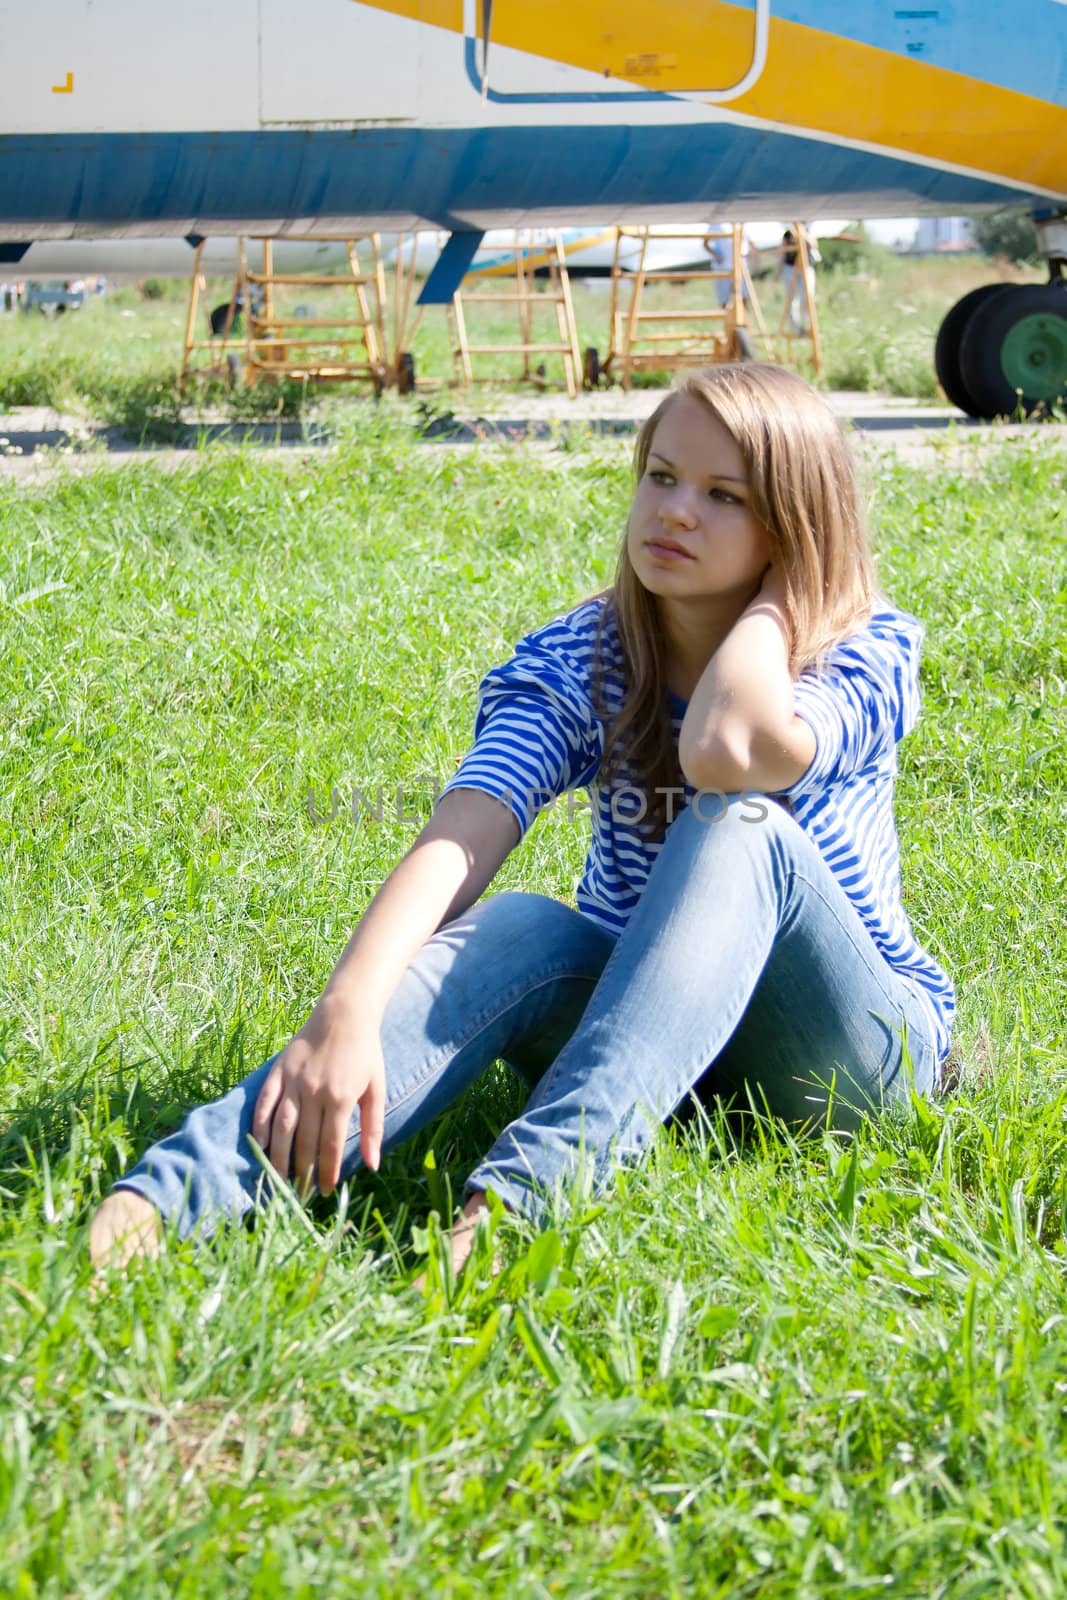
(799, 285)
(720, 247)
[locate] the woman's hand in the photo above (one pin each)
(335, 1062)
(773, 587)
(305, 1105)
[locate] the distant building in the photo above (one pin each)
(942, 235)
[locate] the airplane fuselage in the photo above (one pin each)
(124, 118)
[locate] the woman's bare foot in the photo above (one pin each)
(461, 1237)
(125, 1226)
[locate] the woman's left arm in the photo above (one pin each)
(740, 731)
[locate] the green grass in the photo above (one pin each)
(117, 360)
(776, 1370)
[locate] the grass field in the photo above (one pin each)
(118, 359)
(778, 1370)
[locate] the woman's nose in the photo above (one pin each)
(678, 506)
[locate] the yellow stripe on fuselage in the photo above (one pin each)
(438, 13)
(812, 80)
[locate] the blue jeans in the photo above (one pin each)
(743, 968)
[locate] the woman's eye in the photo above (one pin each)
(725, 495)
(659, 476)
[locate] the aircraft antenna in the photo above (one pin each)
(487, 23)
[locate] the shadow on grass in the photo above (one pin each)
(60, 1154)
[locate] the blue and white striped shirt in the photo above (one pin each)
(538, 735)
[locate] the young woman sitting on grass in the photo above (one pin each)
(734, 702)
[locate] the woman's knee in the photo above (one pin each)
(507, 907)
(746, 824)
(515, 916)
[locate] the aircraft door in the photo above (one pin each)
(336, 61)
(544, 50)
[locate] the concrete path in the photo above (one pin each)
(36, 443)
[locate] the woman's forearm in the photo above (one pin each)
(451, 863)
(740, 730)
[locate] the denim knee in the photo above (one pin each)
(744, 825)
(515, 914)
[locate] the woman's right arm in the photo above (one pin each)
(335, 1062)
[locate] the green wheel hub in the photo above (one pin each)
(1033, 356)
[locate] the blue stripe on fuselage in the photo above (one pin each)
(458, 178)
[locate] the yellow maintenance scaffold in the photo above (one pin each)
(727, 325)
(267, 331)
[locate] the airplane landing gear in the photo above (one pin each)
(1013, 353)
(1002, 349)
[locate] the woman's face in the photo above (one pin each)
(692, 533)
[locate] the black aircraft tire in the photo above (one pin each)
(217, 320)
(405, 373)
(947, 348)
(1013, 353)
(744, 349)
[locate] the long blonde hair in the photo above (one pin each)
(803, 490)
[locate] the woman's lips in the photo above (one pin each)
(666, 551)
